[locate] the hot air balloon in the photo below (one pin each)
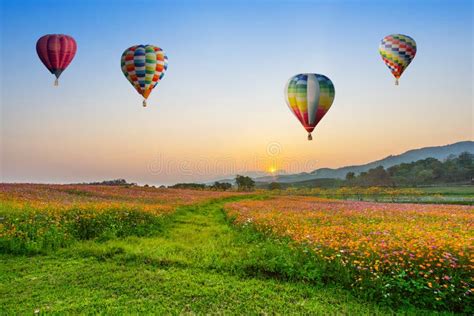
(56, 51)
(144, 66)
(309, 97)
(397, 52)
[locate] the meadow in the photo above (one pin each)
(37, 218)
(395, 253)
(114, 249)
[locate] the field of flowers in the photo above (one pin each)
(36, 218)
(397, 253)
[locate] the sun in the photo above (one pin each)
(272, 169)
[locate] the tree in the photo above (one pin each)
(116, 182)
(224, 186)
(424, 175)
(350, 176)
(374, 177)
(451, 157)
(378, 176)
(466, 159)
(244, 183)
(274, 186)
(192, 186)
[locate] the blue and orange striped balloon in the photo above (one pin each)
(144, 66)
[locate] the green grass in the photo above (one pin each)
(453, 194)
(464, 190)
(198, 263)
(459, 194)
(456, 194)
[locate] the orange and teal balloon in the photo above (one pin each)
(309, 97)
(397, 52)
(144, 66)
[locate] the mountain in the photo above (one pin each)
(438, 152)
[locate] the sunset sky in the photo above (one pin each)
(220, 108)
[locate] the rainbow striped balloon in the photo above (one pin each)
(309, 97)
(397, 52)
(144, 66)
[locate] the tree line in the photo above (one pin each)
(429, 171)
(242, 183)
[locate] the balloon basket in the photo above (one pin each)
(144, 103)
(56, 82)
(396, 82)
(310, 137)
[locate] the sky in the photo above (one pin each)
(220, 108)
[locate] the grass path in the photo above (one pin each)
(198, 264)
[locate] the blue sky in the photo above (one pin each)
(221, 100)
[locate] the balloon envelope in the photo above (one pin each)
(144, 66)
(309, 97)
(56, 51)
(397, 52)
